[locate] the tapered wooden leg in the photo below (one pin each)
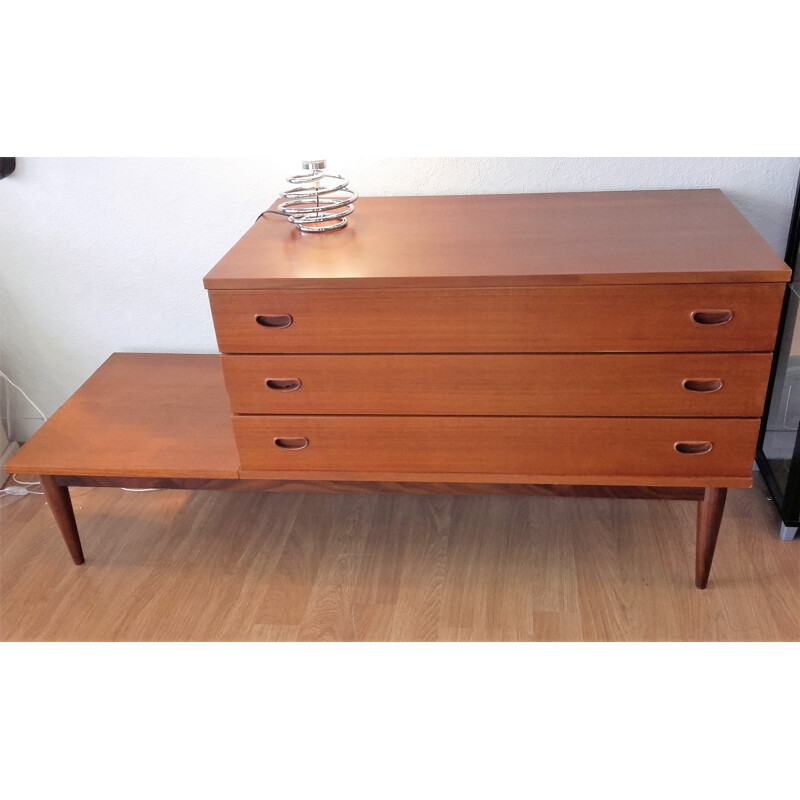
(709, 516)
(61, 506)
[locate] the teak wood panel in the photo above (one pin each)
(683, 385)
(618, 448)
(507, 240)
(545, 319)
(387, 487)
(140, 414)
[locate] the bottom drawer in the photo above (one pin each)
(621, 451)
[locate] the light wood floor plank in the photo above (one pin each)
(330, 610)
(426, 524)
(217, 566)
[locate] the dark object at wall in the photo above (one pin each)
(778, 453)
(7, 166)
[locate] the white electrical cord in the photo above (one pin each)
(22, 489)
(22, 392)
(16, 490)
(24, 483)
(19, 491)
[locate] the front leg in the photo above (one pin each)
(61, 506)
(709, 516)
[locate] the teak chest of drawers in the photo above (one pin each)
(619, 339)
(613, 344)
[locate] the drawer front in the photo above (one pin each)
(683, 385)
(665, 318)
(541, 449)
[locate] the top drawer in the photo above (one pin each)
(660, 318)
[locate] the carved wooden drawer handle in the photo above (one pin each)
(712, 316)
(693, 448)
(702, 385)
(274, 320)
(291, 443)
(284, 384)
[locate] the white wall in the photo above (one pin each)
(104, 255)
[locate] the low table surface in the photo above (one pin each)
(140, 415)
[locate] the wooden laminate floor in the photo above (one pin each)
(180, 566)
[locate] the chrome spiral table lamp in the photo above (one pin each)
(314, 207)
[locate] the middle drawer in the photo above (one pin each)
(680, 385)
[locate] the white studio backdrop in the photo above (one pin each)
(99, 255)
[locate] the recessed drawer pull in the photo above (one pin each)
(274, 320)
(693, 448)
(702, 385)
(284, 384)
(291, 443)
(712, 317)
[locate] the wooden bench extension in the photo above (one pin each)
(163, 421)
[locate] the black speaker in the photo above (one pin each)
(7, 166)
(778, 451)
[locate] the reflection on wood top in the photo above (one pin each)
(140, 414)
(682, 236)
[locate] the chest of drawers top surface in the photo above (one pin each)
(683, 236)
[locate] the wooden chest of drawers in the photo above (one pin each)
(617, 339)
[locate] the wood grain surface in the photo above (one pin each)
(150, 414)
(509, 240)
(166, 416)
(219, 566)
(388, 487)
(535, 385)
(576, 319)
(709, 516)
(60, 502)
(620, 450)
